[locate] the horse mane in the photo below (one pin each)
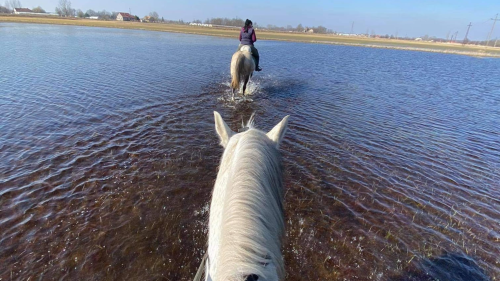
(252, 222)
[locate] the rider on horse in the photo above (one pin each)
(247, 37)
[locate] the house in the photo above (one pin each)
(125, 17)
(146, 19)
(418, 39)
(19, 11)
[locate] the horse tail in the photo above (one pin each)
(238, 67)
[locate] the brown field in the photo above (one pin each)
(470, 50)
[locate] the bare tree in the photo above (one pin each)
(64, 9)
(320, 29)
(154, 16)
(104, 15)
(80, 13)
(5, 10)
(300, 28)
(38, 10)
(91, 13)
(11, 4)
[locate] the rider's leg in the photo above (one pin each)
(255, 54)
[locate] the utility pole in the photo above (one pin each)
(396, 34)
(491, 32)
(467, 33)
(352, 28)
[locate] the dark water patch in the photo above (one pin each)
(447, 267)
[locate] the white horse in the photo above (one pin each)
(246, 223)
(242, 68)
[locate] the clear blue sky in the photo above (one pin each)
(411, 17)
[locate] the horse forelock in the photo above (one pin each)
(252, 223)
(250, 124)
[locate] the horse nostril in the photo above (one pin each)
(252, 277)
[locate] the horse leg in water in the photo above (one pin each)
(245, 85)
(232, 91)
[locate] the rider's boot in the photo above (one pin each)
(256, 59)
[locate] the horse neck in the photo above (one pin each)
(252, 221)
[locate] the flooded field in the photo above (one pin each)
(108, 155)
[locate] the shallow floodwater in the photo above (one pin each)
(108, 155)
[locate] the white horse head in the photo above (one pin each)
(246, 214)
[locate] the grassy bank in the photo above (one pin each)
(269, 35)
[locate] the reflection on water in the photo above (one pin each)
(108, 156)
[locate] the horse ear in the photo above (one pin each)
(222, 129)
(277, 133)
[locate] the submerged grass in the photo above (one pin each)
(470, 50)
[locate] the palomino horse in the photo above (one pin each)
(242, 68)
(246, 223)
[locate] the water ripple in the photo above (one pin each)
(109, 156)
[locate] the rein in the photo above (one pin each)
(199, 273)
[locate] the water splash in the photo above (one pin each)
(253, 88)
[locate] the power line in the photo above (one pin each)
(467, 33)
(491, 32)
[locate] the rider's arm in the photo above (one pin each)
(240, 34)
(254, 37)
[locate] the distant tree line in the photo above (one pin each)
(223, 21)
(102, 15)
(240, 22)
(298, 28)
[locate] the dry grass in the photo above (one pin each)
(268, 35)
